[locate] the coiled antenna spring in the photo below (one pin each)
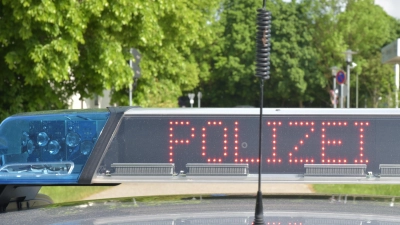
(262, 71)
(263, 43)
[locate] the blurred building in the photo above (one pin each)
(90, 103)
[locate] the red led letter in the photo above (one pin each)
(361, 126)
(327, 142)
(274, 128)
(294, 151)
(224, 141)
(175, 139)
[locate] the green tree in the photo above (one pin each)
(53, 49)
(168, 66)
(367, 34)
(328, 44)
(295, 82)
(308, 38)
(231, 58)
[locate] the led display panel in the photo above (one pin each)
(290, 143)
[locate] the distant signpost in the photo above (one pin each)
(341, 77)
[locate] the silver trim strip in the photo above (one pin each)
(266, 111)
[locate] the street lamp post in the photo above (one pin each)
(357, 91)
(136, 70)
(199, 96)
(349, 56)
(130, 86)
(397, 72)
(341, 96)
(334, 72)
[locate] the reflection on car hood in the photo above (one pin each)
(246, 218)
(293, 210)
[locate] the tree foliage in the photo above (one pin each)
(231, 81)
(53, 49)
(308, 38)
(50, 50)
(376, 79)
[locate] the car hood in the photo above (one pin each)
(216, 209)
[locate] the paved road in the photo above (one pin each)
(147, 189)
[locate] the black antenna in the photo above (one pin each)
(262, 71)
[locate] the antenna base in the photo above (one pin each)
(259, 213)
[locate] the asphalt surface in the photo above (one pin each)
(152, 189)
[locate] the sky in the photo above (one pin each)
(392, 7)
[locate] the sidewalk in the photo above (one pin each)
(148, 189)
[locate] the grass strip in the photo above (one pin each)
(358, 189)
(61, 194)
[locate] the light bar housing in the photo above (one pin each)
(127, 144)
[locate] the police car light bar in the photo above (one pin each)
(125, 144)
